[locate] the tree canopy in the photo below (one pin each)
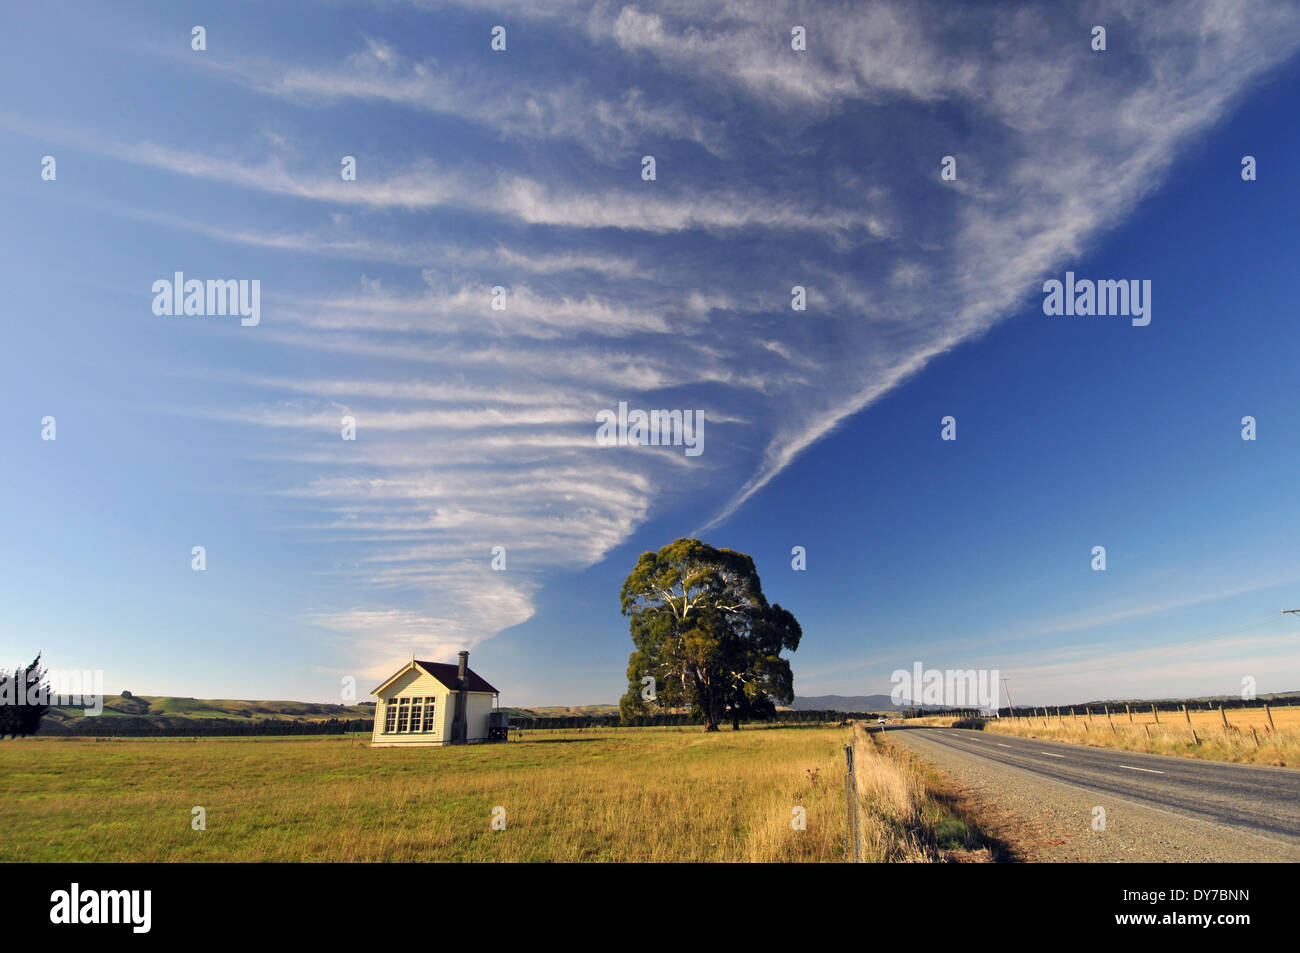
(24, 700)
(702, 629)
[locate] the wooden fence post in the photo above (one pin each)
(1155, 712)
(1129, 708)
(1268, 712)
(851, 845)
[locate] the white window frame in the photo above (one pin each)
(390, 718)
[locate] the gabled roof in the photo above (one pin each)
(447, 673)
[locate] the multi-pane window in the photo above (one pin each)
(407, 715)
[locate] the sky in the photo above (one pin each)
(522, 169)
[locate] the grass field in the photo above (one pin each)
(599, 795)
(1198, 734)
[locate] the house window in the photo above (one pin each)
(390, 717)
(409, 715)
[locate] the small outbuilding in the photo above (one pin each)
(436, 703)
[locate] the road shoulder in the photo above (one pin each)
(1045, 820)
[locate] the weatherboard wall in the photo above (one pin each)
(419, 684)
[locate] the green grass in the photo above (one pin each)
(619, 795)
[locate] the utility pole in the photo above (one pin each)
(1010, 706)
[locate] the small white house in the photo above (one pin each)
(436, 703)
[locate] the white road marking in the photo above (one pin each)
(1147, 770)
(1050, 755)
(1001, 745)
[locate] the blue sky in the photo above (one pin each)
(476, 428)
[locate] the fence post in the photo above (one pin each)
(851, 804)
(1270, 717)
(1224, 716)
(1155, 712)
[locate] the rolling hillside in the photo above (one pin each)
(174, 711)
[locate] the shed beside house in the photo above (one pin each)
(436, 703)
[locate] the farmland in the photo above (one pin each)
(1242, 735)
(652, 794)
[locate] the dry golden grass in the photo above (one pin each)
(631, 795)
(907, 815)
(651, 794)
(1199, 733)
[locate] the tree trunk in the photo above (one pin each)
(711, 714)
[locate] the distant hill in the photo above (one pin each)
(173, 712)
(563, 711)
(843, 703)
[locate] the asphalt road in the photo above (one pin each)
(1183, 808)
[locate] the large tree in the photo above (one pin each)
(703, 630)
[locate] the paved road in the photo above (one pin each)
(1181, 808)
